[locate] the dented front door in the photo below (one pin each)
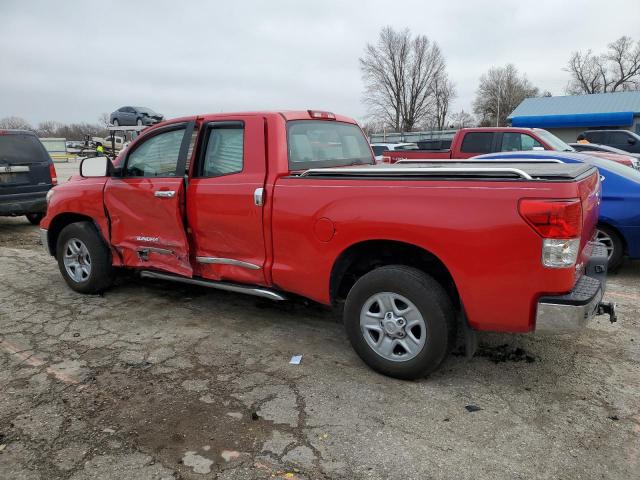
(145, 204)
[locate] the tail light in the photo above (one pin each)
(386, 159)
(54, 175)
(559, 223)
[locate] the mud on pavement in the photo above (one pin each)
(160, 381)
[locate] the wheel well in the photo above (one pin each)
(363, 257)
(617, 232)
(61, 221)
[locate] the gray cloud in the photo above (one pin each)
(71, 61)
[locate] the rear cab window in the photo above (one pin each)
(326, 143)
(477, 142)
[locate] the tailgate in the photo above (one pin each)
(590, 192)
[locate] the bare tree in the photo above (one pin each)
(398, 73)
(444, 92)
(618, 69)
(500, 91)
(15, 123)
(48, 128)
(462, 119)
(104, 119)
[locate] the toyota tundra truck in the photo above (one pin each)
(470, 142)
(291, 204)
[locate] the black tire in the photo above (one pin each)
(116, 123)
(34, 218)
(102, 273)
(139, 122)
(431, 301)
(617, 255)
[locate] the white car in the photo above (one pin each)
(380, 148)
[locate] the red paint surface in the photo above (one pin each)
(473, 227)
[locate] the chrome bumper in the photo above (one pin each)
(44, 238)
(552, 317)
(570, 312)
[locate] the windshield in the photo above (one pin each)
(148, 111)
(323, 143)
(19, 148)
(554, 142)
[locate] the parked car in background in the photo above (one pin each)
(27, 174)
(135, 116)
(57, 149)
(469, 142)
(619, 222)
(621, 139)
(596, 147)
(380, 148)
(118, 143)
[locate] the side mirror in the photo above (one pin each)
(95, 167)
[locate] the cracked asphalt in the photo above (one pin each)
(161, 381)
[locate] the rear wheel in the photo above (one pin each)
(400, 321)
(34, 218)
(615, 249)
(116, 123)
(83, 258)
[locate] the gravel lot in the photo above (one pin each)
(160, 381)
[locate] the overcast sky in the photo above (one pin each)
(70, 61)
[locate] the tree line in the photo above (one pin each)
(407, 88)
(72, 131)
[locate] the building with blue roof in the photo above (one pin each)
(567, 116)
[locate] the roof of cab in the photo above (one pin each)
(286, 114)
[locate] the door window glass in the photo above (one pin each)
(157, 156)
(619, 138)
(224, 152)
(477, 142)
(514, 142)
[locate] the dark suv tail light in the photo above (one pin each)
(53, 173)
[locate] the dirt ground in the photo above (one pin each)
(159, 381)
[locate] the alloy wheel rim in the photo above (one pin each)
(77, 261)
(605, 239)
(393, 327)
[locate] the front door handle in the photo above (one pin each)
(165, 193)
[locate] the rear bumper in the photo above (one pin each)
(570, 312)
(23, 203)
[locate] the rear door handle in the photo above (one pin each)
(165, 193)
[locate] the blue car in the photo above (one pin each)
(619, 223)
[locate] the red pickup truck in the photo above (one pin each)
(470, 142)
(281, 204)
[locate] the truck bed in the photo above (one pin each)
(523, 171)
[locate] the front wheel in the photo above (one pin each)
(400, 321)
(83, 258)
(615, 249)
(139, 122)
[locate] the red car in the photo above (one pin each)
(281, 204)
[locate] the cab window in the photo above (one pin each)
(223, 150)
(515, 142)
(157, 156)
(477, 142)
